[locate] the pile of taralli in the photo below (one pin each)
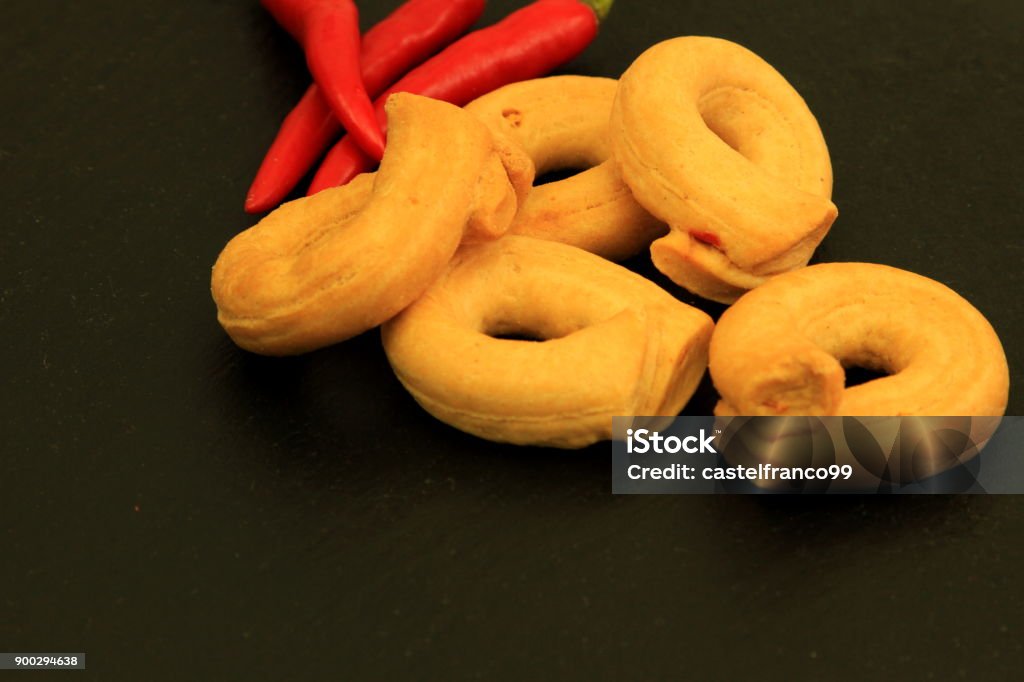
(701, 152)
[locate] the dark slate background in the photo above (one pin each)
(178, 509)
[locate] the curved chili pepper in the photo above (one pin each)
(328, 31)
(526, 44)
(402, 40)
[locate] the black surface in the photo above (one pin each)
(179, 509)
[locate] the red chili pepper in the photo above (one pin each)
(328, 31)
(528, 43)
(402, 40)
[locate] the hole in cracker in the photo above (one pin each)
(518, 336)
(723, 134)
(556, 175)
(520, 330)
(857, 375)
(721, 119)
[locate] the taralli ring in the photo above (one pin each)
(612, 343)
(562, 123)
(714, 141)
(781, 349)
(325, 268)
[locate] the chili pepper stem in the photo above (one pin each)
(601, 7)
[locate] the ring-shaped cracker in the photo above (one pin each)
(562, 123)
(616, 344)
(330, 266)
(715, 142)
(781, 349)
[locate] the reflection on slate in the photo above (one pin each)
(905, 455)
